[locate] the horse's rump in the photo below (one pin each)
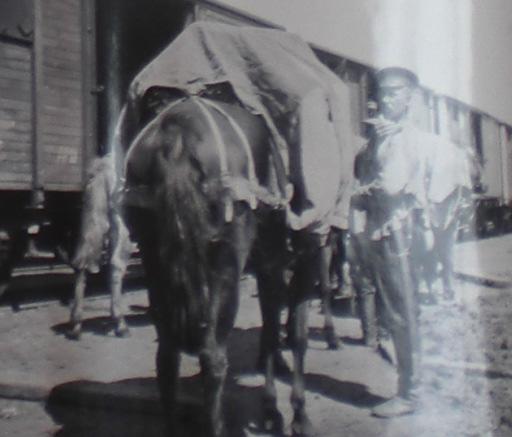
(247, 172)
(200, 201)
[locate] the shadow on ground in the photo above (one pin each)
(40, 288)
(131, 407)
(103, 325)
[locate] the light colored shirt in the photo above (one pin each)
(410, 169)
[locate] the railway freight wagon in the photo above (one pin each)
(47, 120)
(65, 66)
(490, 141)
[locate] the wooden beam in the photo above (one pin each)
(37, 97)
(89, 99)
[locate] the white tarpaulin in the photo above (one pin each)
(274, 74)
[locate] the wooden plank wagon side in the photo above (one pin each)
(47, 120)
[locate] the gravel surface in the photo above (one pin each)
(466, 391)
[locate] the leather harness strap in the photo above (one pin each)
(221, 149)
(245, 144)
(145, 130)
(217, 136)
(231, 187)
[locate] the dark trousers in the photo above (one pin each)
(397, 301)
(364, 286)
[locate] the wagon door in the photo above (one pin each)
(46, 109)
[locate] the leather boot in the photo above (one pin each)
(369, 320)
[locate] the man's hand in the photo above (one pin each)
(368, 189)
(361, 193)
(383, 127)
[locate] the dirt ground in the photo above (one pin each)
(468, 365)
(466, 390)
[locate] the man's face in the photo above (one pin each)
(394, 97)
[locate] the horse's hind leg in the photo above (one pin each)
(167, 367)
(77, 309)
(270, 257)
(269, 348)
(271, 285)
(120, 255)
(116, 306)
(143, 224)
(324, 262)
(301, 284)
(214, 366)
(446, 253)
(222, 310)
(227, 260)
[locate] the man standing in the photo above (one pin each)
(392, 174)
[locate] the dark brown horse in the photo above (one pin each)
(203, 166)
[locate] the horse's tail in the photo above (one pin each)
(187, 230)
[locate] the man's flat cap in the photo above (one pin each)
(397, 71)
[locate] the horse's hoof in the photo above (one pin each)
(122, 332)
(333, 341)
(73, 334)
(372, 342)
(302, 428)
(449, 294)
(273, 423)
(430, 300)
(335, 345)
(218, 431)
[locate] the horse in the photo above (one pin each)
(332, 281)
(205, 165)
(446, 216)
(102, 229)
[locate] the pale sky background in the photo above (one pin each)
(460, 48)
